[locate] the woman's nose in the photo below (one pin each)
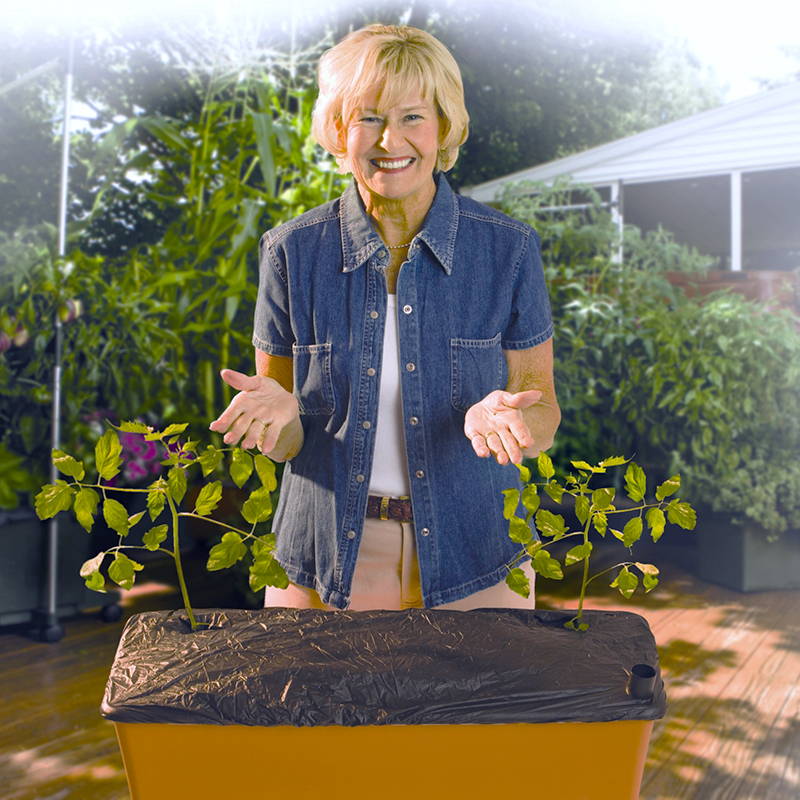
(389, 136)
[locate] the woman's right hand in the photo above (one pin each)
(263, 414)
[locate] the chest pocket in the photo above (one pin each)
(477, 367)
(312, 378)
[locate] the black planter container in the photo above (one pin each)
(23, 569)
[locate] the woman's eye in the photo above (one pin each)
(370, 119)
(413, 117)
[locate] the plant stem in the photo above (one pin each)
(178, 565)
(585, 579)
(214, 522)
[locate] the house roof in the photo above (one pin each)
(757, 132)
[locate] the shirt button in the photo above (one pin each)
(373, 314)
(371, 371)
(425, 531)
(366, 424)
(407, 309)
(420, 473)
(351, 534)
(411, 366)
(360, 478)
(413, 421)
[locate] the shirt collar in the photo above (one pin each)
(360, 240)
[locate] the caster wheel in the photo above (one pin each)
(51, 634)
(111, 613)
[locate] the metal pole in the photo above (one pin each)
(52, 630)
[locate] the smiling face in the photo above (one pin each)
(392, 151)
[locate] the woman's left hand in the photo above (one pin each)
(496, 427)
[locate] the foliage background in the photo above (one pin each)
(196, 140)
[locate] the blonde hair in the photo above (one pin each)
(398, 59)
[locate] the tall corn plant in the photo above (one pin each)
(244, 163)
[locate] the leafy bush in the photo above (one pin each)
(709, 388)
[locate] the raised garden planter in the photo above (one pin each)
(306, 703)
(23, 571)
(737, 556)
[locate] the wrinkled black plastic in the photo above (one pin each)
(278, 666)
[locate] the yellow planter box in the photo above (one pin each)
(291, 703)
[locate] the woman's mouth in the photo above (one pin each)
(391, 164)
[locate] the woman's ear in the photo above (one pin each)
(341, 144)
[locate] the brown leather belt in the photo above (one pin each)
(396, 508)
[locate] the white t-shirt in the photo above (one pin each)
(389, 470)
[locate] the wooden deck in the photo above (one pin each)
(731, 663)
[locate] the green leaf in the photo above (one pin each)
(576, 554)
(530, 498)
(603, 498)
(92, 565)
(134, 518)
(266, 571)
(67, 465)
(649, 582)
(108, 455)
(635, 482)
(582, 508)
(122, 570)
(95, 582)
(656, 522)
(550, 524)
(555, 491)
(86, 503)
(52, 498)
(545, 465)
(176, 481)
(225, 554)
(600, 522)
(632, 531)
(582, 465)
(168, 133)
(518, 582)
(134, 427)
(546, 566)
(614, 461)
(669, 487)
(646, 569)
(153, 538)
(172, 430)
(116, 516)
(258, 507)
(265, 469)
(519, 530)
(524, 473)
(681, 514)
(263, 545)
(241, 466)
(626, 581)
(210, 459)
(510, 502)
(208, 499)
(156, 500)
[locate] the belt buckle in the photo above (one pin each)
(383, 512)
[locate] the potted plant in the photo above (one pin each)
(448, 692)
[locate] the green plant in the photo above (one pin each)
(115, 345)
(712, 389)
(164, 497)
(595, 510)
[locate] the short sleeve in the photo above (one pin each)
(531, 321)
(272, 328)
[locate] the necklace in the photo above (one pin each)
(397, 246)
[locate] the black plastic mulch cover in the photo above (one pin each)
(279, 666)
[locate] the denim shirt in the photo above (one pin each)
(472, 286)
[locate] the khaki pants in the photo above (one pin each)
(387, 577)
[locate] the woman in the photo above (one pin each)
(403, 352)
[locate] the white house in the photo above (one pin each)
(726, 181)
